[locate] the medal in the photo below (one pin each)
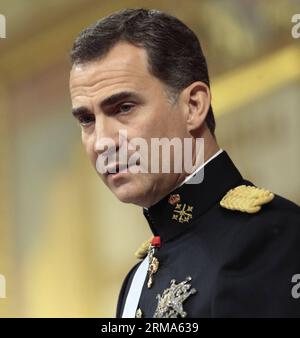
(170, 303)
(153, 261)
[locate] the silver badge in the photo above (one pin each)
(170, 304)
(139, 313)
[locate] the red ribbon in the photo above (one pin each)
(155, 241)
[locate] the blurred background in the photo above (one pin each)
(66, 242)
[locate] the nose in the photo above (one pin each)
(105, 135)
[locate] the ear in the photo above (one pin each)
(196, 98)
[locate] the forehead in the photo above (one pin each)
(125, 66)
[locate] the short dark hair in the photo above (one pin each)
(174, 52)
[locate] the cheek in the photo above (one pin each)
(155, 125)
(88, 145)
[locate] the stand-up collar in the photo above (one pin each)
(175, 213)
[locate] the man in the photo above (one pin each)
(221, 246)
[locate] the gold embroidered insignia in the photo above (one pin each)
(246, 199)
(182, 213)
(170, 304)
(143, 249)
(173, 199)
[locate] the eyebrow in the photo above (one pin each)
(115, 98)
(80, 111)
(108, 102)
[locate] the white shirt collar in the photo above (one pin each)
(200, 167)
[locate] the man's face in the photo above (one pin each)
(143, 109)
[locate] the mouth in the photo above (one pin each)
(120, 170)
(117, 169)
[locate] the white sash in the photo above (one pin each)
(133, 296)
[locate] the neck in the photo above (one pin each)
(210, 145)
(210, 149)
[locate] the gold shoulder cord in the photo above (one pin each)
(143, 249)
(246, 199)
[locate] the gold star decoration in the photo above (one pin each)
(182, 213)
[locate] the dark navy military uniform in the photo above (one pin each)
(241, 264)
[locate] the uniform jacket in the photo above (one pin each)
(241, 264)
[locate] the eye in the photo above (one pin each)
(86, 119)
(125, 107)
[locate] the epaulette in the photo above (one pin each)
(143, 249)
(246, 199)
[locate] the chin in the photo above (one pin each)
(128, 196)
(124, 193)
